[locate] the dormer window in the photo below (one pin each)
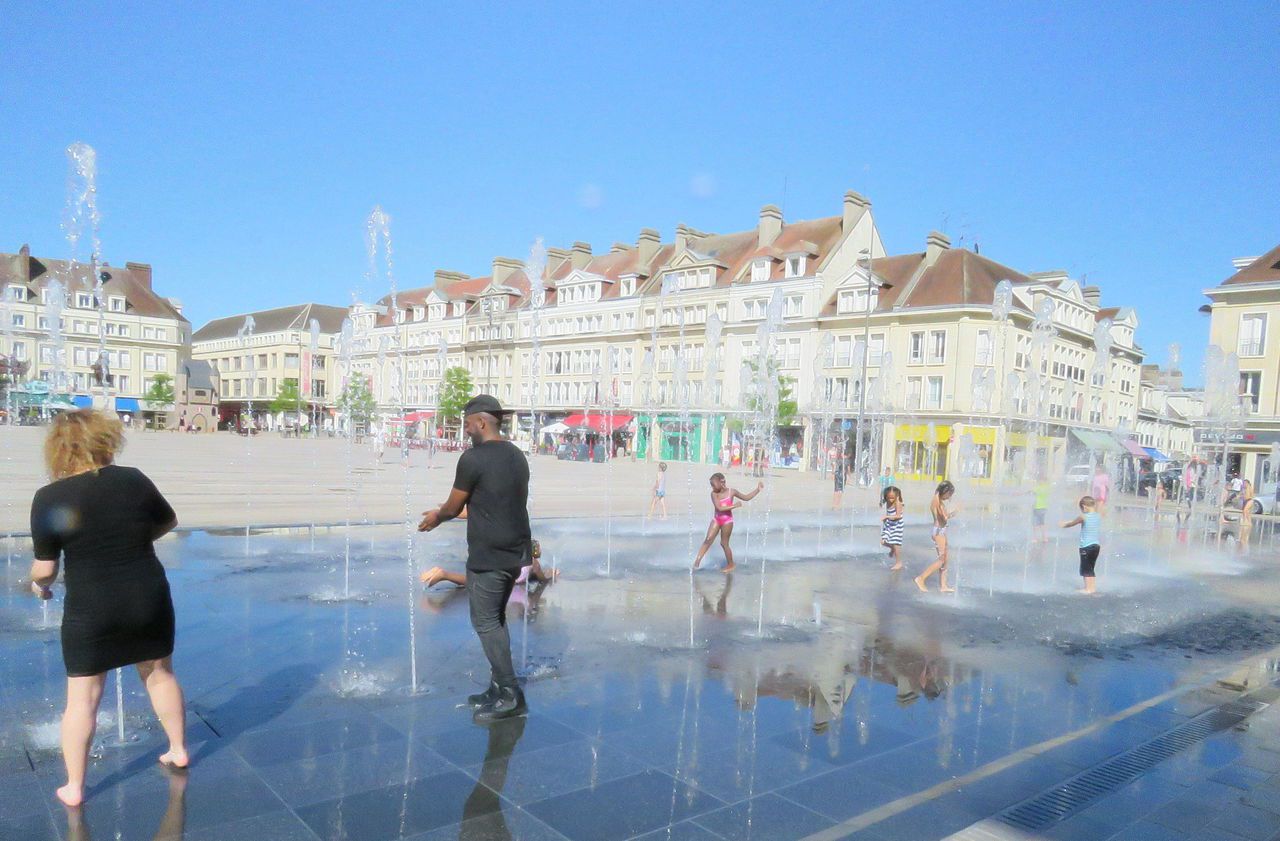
(855, 300)
(759, 271)
(83, 300)
(579, 293)
(116, 303)
(419, 313)
(796, 266)
(399, 317)
(628, 286)
(436, 311)
(688, 279)
(459, 307)
(18, 293)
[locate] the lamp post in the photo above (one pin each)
(872, 284)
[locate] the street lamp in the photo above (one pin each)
(872, 284)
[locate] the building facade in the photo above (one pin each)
(666, 336)
(142, 334)
(1243, 309)
(255, 354)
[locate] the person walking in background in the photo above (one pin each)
(1246, 514)
(722, 500)
(1101, 489)
(659, 491)
(1090, 523)
(886, 480)
(838, 475)
(941, 519)
(101, 521)
(891, 525)
(492, 483)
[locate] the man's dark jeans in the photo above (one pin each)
(488, 593)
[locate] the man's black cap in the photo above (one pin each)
(487, 404)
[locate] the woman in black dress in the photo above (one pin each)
(100, 520)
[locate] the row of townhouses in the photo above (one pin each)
(655, 340)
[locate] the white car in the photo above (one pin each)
(1081, 474)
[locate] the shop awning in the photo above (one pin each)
(1100, 441)
(599, 423)
(418, 417)
(127, 404)
(84, 401)
(1156, 454)
(1135, 449)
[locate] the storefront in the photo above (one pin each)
(920, 451)
(697, 438)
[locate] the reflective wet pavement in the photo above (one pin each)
(670, 707)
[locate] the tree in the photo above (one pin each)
(289, 398)
(160, 394)
(785, 411)
(455, 391)
(357, 402)
(11, 373)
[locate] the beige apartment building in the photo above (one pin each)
(142, 333)
(1243, 310)
(628, 335)
(255, 354)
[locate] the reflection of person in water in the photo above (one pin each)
(484, 799)
(534, 572)
(721, 608)
(172, 823)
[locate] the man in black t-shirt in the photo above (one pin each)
(492, 482)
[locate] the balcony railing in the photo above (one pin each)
(1253, 348)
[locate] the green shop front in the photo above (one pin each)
(675, 438)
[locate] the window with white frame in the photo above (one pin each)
(876, 352)
(688, 279)
(18, 292)
(17, 319)
(915, 355)
(934, 393)
(628, 286)
(116, 303)
(915, 389)
(754, 309)
(793, 306)
(459, 307)
(937, 347)
(1251, 387)
(982, 351)
(759, 271)
(844, 351)
(1253, 334)
(435, 312)
(795, 265)
(84, 300)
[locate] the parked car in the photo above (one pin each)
(1080, 474)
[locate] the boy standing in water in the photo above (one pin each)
(660, 491)
(1090, 530)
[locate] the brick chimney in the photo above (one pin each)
(683, 235)
(854, 205)
(619, 247)
(141, 271)
(505, 267)
(445, 277)
(647, 245)
(1092, 295)
(770, 224)
(24, 253)
(937, 243)
(580, 255)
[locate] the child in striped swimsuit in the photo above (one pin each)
(892, 523)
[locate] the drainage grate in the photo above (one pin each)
(1060, 802)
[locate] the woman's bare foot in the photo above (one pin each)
(728, 568)
(920, 584)
(946, 589)
(175, 759)
(432, 577)
(70, 795)
(895, 567)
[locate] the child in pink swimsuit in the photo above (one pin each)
(722, 500)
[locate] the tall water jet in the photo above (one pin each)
(346, 349)
(12, 367)
(767, 415)
(245, 336)
(534, 269)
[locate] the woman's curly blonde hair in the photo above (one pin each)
(81, 440)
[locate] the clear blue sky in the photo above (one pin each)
(241, 149)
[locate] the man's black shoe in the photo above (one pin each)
(486, 697)
(509, 704)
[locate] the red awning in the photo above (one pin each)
(599, 423)
(418, 417)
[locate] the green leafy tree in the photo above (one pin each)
(11, 373)
(357, 402)
(289, 398)
(160, 394)
(455, 392)
(785, 411)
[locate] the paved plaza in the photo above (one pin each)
(812, 694)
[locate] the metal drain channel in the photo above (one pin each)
(1061, 801)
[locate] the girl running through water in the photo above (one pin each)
(892, 523)
(722, 499)
(941, 519)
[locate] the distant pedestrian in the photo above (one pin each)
(886, 480)
(101, 520)
(1040, 508)
(1101, 489)
(891, 525)
(659, 498)
(1090, 523)
(492, 482)
(838, 475)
